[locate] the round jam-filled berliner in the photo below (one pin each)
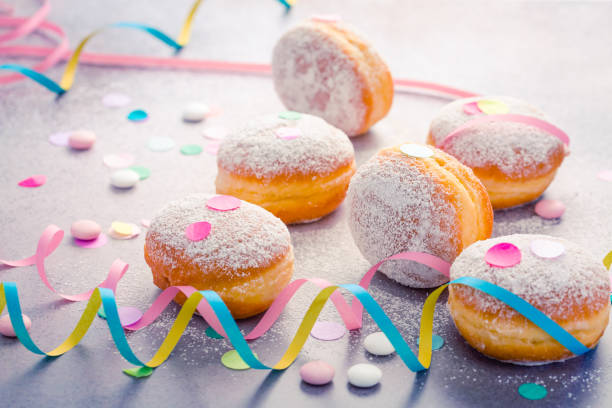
(323, 68)
(294, 165)
(558, 277)
(515, 161)
(221, 243)
(416, 198)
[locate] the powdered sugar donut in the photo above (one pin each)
(247, 257)
(432, 203)
(515, 161)
(325, 69)
(558, 277)
(294, 165)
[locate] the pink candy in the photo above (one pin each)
(317, 373)
(82, 139)
(85, 230)
(503, 255)
(6, 328)
(550, 209)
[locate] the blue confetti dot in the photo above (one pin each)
(137, 115)
(436, 342)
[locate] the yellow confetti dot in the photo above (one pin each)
(492, 107)
(122, 228)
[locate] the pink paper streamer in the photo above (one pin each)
(49, 241)
(528, 120)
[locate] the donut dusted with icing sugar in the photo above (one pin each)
(565, 282)
(515, 161)
(433, 204)
(295, 165)
(247, 257)
(324, 69)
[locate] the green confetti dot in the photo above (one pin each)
(191, 149)
(101, 312)
(290, 115)
(232, 360)
(532, 391)
(436, 342)
(210, 332)
(139, 372)
(142, 171)
(137, 115)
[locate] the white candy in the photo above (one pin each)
(124, 178)
(195, 112)
(378, 344)
(364, 375)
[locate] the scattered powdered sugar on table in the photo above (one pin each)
(247, 237)
(256, 150)
(556, 286)
(516, 149)
(393, 207)
(313, 74)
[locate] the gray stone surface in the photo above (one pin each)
(553, 54)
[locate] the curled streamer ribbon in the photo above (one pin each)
(216, 313)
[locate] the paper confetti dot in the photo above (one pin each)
(92, 243)
(121, 228)
(116, 100)
(191, 149)
(101, 312)
(210, 332)
(232, 360)
(197, 231)
(212, 147)
(437, 342)
(142, 171)
(545, 248)
(160, 144)
(317, 372)
(59, 138)
(605, 175)
(549, 209)
(133, 228)
(288, 133)
(290, 115)
(215, 132)
(607, 261)
(471, 108)
(139, 372)
(129, 315)
(503, 255)
(491, 107)
(145, 223)
(118, 161)
(378, 344)
(416, 150)
(223, 203)
(6, 327)
(532, 391)
(327, 331)
(34, 181)
(137, 115)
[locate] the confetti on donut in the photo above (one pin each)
(545, 248)
(415, 150)
(503, 255)
(471, 108)
(223, 203)
(492, 107)
(288, 133)
(198, 231)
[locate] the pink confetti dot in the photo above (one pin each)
(34, 181)
(223, 203)
(549, 209)
(129, 315)
(118, 161)
(92, 243)
(471, 108)
(288, 133)
(605, 175)
(503, 255)
(212, 148)
(115, 100)
(327, 331)
(6, 327)
(215, 132)
(198, 231)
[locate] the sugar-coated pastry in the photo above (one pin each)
(423, 201)
(294, 165)
(515, 161)
(558, 277)
(324, 69)
(246, 256)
